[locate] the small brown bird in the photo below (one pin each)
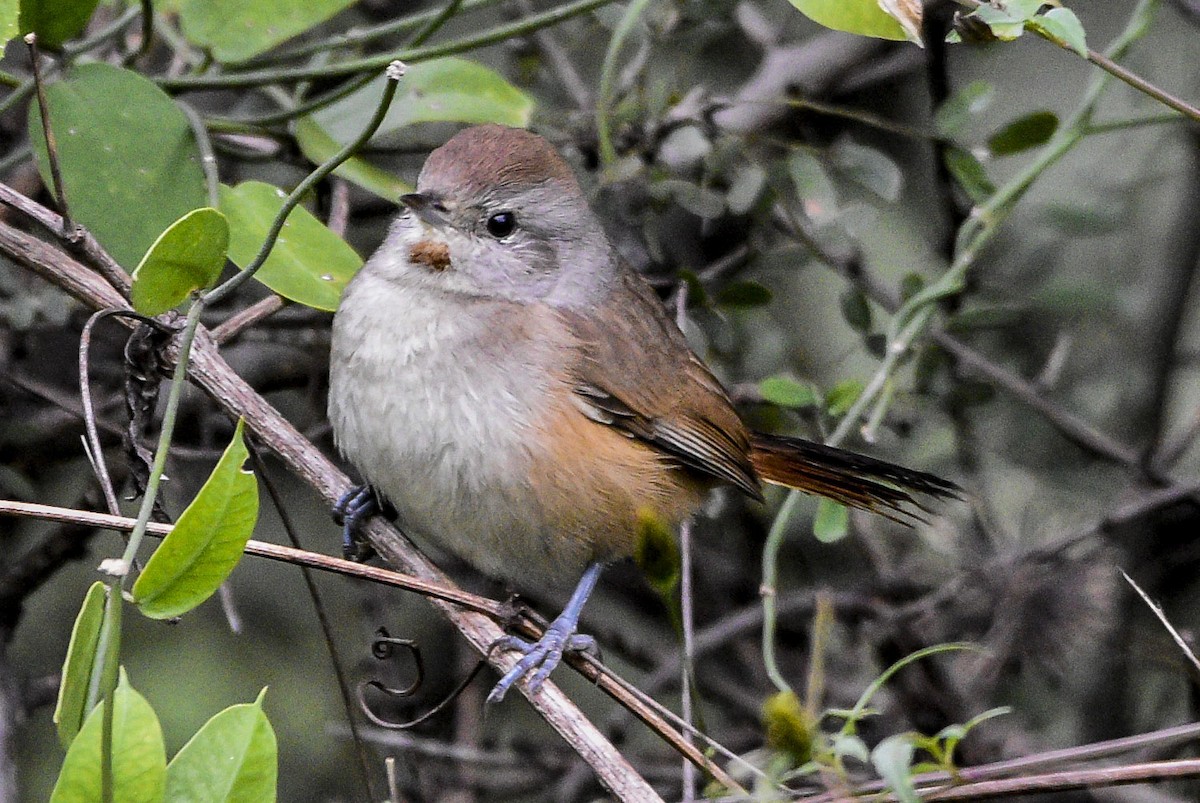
(518, 394)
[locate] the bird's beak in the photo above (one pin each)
(426, 207)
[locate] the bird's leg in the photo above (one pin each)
(354, 507)
(543, 655)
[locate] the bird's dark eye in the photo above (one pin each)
(501, 224)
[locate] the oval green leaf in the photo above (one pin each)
(129, 160)
(869, 167)
(863, 17)
(970, 173)
(813, 186)
(235, 30)
(744, 295)
(1024, 133)
(832, 521)
(319, 147)
(447, 90)
(187, 256)
(842, 395)
(55, 21)
(139, 758)
(309, 263)
(72, 707)
(232, 758)
(786, 392)
(1061, 25)
(207, 541)
(893, 761)
(855, 309)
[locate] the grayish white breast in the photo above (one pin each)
(435, 409)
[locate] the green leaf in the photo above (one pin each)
(850, 746)
(309, 263)
(656, 552)
(957, 111)
(138, 756)
(698, 200)
(188, 256)
(447, 90)
(72, 705)
(317, 146)
(1061, 25)
(207, 541)
(1023, 133)
(869, 167)
(743, 295)
(129, 161)
(232, 758)
(813, 186)
(789, 727)
(893, 760)
(863, 17)
(910, 285)
(832, 521)
(856, 310)
(969, 173)
(697, 295)
(9, 19)
(842, 395)
(1023, 9)
(236, 30)
(745, 189)
(786, 392)
(55, 21)
(1004, 25)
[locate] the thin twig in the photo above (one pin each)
(435, 24)
(208, 159)
(686, 610)
(243, 319)
(282, 554)
(60, 192)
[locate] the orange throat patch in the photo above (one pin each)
(432, 254)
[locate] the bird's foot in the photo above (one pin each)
(353, 508)
(540, 657)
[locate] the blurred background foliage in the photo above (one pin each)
(781, 185)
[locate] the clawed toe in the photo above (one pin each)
(355, 506)
(540, 658)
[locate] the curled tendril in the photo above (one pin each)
(384, 648)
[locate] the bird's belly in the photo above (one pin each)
(438, 416)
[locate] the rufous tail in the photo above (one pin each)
(853, 479)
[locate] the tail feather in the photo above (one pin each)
(852, 479)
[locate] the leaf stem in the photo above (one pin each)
(48, 132)
(361, 36)
(608, 73)
(394, 72)
(491, 36)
